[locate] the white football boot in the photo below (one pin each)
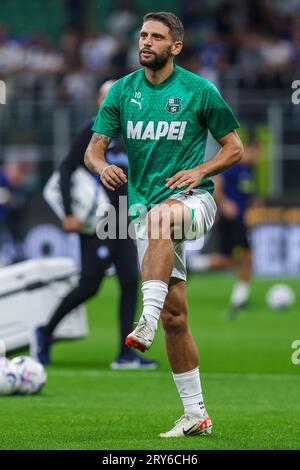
(142, 336)
(189, 425)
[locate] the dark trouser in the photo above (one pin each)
(96, 257)
(233, 233)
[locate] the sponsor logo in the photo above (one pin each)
(187, 431)
(136, 102)
(173, 130)
(137, 96)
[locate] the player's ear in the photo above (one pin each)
(177, 47)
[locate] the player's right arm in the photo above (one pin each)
(111, 175)
(106, 127)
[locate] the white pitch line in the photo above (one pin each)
(166, 375)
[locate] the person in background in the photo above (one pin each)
(234, 193)
(14, 177)
(96, 257)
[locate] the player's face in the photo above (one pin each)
(156, 45)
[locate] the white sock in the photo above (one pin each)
(240, 293)
(154, 296)
(189, 388)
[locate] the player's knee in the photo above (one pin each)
(173, 323)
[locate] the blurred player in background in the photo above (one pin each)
(96, 256)
(14, 178)
(234, 194)
(164, 112)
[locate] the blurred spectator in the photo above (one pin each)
(5, 196)
(32, 53)
(76, 12)
(191, 13)
(231, 15)
(13, 198)
(296, 42)
(70, 43)
(11, 54)
(97, 50)
(77, 84)
(123, 18)
(212, 56)
(250, 59)
(277, 55)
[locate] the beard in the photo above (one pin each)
(156, 61)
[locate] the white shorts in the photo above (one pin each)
(203, 209)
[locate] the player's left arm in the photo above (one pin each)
(230, 153)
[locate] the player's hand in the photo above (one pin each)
(71, 223)
(229, 209)
(112, 177)
(190, 178)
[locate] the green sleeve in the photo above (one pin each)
(216, 114)
(108, 119)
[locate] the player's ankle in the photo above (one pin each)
(195, 409)
(154, 296)
(151, 319)
(240, 293)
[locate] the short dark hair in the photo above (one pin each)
(170, 20)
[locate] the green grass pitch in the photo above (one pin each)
(251, 388)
